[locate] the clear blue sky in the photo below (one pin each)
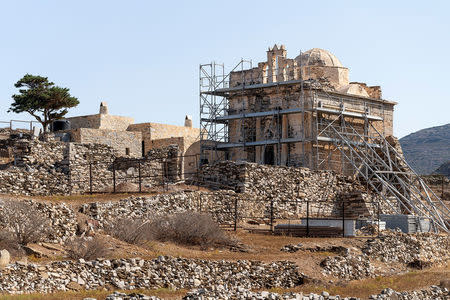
(142, 57)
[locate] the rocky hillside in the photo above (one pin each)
(426, 149)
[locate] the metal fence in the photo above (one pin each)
(19, 124)
(303, 222)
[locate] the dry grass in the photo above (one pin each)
(360, 288)
(366, 287)
(87, 248)
(186, 228)
(190, 228)
(132, 231)
(162, 293)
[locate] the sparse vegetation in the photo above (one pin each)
(87, 248)
(24, 221)
(186, 228)
(190, 228)
(132, 231)
(9, 242)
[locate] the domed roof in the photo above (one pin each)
(354, 89)
(319, 57)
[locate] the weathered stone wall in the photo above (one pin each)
(86, 160)
(161, 272)
(120, 141)
(290, 188)
(325, 82)
(118, 123)
(156, 131)
(90, 121)
(66, 168)
(39, 168)
(101, 121)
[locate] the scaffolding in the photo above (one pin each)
(334, 133)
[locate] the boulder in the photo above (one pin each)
(4, 258)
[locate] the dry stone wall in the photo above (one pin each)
(220, 204)
(51, 168)
(290, 188)
(162, 272)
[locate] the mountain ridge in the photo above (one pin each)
(427, 149)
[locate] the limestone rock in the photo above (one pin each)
(4, 258)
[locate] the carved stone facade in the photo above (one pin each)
(277, 111)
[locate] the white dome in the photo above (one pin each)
(319, 57)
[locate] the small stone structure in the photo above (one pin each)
(49, 168)
(136, 140)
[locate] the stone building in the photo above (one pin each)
(136, 140)
(289, 111)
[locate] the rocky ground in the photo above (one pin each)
(162, 272)
(271, 262)
(218, 292)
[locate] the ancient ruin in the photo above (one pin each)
(305, 112)
(287, 151)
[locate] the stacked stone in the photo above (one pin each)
(62, 220)
(87, 159)
(132, 296)
(140, 207)
(416, 251)
(163, 272)
(354, 205)
(432, 293)
(220, 205)
(348, 267)
(291, 187)
(218, 292)
(409, 248)
(58, 168)
(291, 248)
(38, 154)
(34, 180)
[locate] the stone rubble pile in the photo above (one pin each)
(418, 250)
(33, 181)
(408, 248)
(62, 219)
(291, 248)
(432, 293)
(132, 296)
(218, 292)
(60, 168)
(219, 204)
(282, 184)
(348, 267)
(146, 207)
(163, 272)
(139, 207)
